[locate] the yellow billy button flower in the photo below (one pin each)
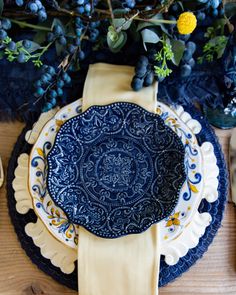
(186, 23)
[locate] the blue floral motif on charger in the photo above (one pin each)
(116, 169)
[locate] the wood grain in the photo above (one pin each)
(214, 274)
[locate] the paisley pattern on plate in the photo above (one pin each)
(190, 195)
(116, 169)
(51, 215)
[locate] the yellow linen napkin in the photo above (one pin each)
(106, 83)
(127, 265)
(124, 266)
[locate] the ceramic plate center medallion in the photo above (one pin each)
(116, 169)
(120, 169)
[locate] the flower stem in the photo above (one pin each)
(157, 21)
(24, 25)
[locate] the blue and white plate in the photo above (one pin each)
(116, 169)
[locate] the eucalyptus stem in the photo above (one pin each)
(27, 25)
(127, 21)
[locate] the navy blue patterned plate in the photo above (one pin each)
(116, 169)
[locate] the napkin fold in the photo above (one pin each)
(123, 266)
(127, 265)
(106, 84)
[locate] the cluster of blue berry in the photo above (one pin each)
(129, 3)
(144, 69)
(51, 83)
(206, 11)
(155, 65)
(82, 28)
(5, 25)
(84, 7)
(73, 43)
(11, 46)
(57, 34)
(144, 75)
(212, 7)
(132, 3)
(26, 44)
(35, 7)
(50, 86)
(188, 61)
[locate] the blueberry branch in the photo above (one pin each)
(20, 51)
(65, 64)
(27, 25)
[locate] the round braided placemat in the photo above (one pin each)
(167, 273)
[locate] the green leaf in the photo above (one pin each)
(7, 40)
(56, 21)
(112, 34)
(221, 22)
(115, 46)
(37, 63)
(212, 42)
(230, 9)
(1, 6)
(220, 52)
(149, 36)
(10, 58)
(19, 43)
(219, 26)
(34, 47)
(120, 11)
(59, 48)
(222, 42)
(150, 23)
(134, 33)
(200, 60)
(122, 23)
(219, 43)
(40, 37)
(145, 24)
(181, 5)
(178, 50)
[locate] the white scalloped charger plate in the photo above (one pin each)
(190, 197)
(63, 256)
(52, 216)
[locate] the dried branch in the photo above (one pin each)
(100, 14)
(111, 11)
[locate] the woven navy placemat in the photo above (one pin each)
(167, 273)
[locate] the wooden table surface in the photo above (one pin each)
(214, 274)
